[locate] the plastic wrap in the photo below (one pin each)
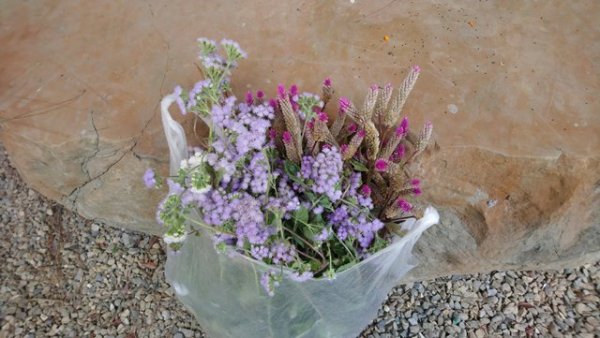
(223, 290)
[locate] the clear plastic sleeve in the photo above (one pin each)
(223, 290)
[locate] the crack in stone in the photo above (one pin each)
(84, 163)
(74, 194)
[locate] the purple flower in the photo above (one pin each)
(301, 277)
(352, 127)
(174, 187)
(233, 49)
(260, 94)
(327, 82)
(260, 252)
(197, 89)
(283, 252)
(318, 210)
(323, 235)
(177, 92)
(269, 282)
(365, 190)
(150, 178)
(325, 173)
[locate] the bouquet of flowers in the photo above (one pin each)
(281, 196)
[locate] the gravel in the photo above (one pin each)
(65, 276)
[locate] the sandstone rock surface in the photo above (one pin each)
(512, 89)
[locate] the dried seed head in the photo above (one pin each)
(424, 138)
(327, 90)
(395, 139)
(292, 123)
(348, 108)
(393, 114)
(372, 141)
(382, 101)
(354, 144)
(290, 148)
(338, 124)
(370, 101)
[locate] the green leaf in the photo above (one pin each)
(308, 233)
(358, 166)
(325, 202)
(291, 168)
(301, 215)
(318, 220)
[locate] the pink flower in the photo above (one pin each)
(381, 165)
(249, 98)
(323, 117)
(416, 69)
(374, 87)
(311, 124)
(362, 133)
(417, 191)
(415, 182)
(398, 153)
(344, 104)
(286, 137)
(260, 94)
(352, 127)
(293, 90)
(404, 124)
(272, 133)
(281, 90)
(327, 82)
(343, 148)
(403, 205)
(365, 190)
(273, 103)
(400, 131)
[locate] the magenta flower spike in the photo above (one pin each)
(281, 91)
(404, 205)
(293, 90)
(365, 190)
(381, 165)
(249, 98)
(344, 104)
(286, 137)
